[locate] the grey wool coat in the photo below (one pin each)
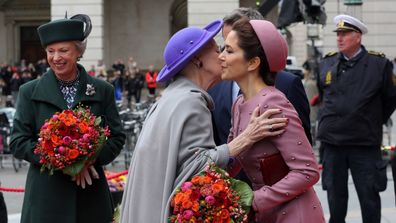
(57, 198)
(175, 143)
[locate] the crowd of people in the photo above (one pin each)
(128, 80)
(236, 107)
(13, 76)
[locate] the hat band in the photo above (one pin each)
(350, 26)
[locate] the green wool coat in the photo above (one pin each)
(56, 198)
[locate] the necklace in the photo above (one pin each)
(68, 83)
(69, 89)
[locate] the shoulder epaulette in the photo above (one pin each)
(330, 54)
(375, 53)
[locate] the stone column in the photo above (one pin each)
(10, 57)
(92, 8)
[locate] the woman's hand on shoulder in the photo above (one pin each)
(260, 126)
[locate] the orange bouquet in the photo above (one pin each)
(70, 139)
(211, 197)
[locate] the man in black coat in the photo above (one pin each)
(358, 96)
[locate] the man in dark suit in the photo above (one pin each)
(225, 92)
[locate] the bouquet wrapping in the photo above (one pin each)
(211, 196)
(70, 139)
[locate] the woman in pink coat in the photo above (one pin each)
(282, 169)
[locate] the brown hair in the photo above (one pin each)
(250, 44)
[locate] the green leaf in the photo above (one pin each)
(98, 120)
(42, 168)
(75, 168)
(117, 214)
(244, 191)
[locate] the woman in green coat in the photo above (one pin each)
(58, 197)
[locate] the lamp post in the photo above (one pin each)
(354, 8)
(313, 34)
(353, 2)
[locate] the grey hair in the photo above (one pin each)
(238, 13)
(81, 47)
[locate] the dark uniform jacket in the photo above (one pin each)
(357, 97)
(57, 198)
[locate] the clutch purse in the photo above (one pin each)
(273, 168)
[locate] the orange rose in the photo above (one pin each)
(195, 206)
(179, 198)
(70, 120)
(206, 180)
(187, 204)
(217, 187)
(55, 140)
(61, 116)
(196, 179)
(72, 153)
(83, 126)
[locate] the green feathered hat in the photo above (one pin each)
(65, 30)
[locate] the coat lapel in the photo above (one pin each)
(47, 90)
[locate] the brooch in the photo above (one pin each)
(90, 90)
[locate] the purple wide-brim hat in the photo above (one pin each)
(183, 45)
(273, 43)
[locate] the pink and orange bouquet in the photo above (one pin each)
(211, 197)
(70, 139)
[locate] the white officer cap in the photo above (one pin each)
(346, 23)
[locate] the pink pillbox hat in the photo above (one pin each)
(274, 45)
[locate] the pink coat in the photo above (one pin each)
(292, 199)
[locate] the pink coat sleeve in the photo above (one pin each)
(298, 155)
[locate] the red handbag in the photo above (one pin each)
(273, 168)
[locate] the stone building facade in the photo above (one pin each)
(141, 28)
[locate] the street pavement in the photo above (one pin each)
(14, 200)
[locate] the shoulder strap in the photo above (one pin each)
(330, 54)
(376, 53)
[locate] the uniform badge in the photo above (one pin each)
(328, 78)
(340, 24)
